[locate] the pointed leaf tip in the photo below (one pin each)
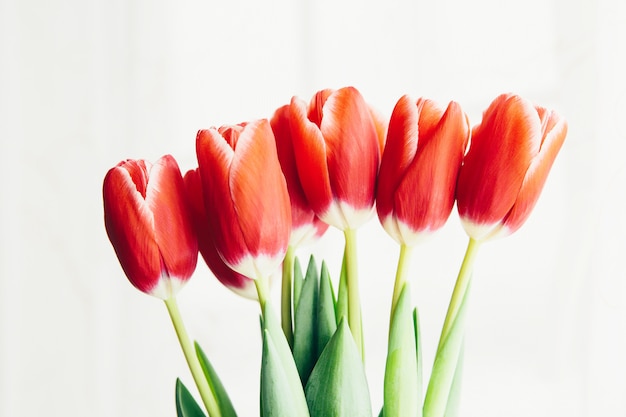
(223, 400)
(186, 405)
(338, 385)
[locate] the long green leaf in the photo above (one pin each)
(326, 319)
(298, 281)
(445, 365)
(223, 400)
(186, 405)
(401, 389)
(342, 293)
(276, 386)
(305, 350)
(279, 375)
(418, 345)
(337, 386)
(454, 399)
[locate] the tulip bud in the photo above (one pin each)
(337, 149)
(245, 196)
(510, 156)
(239, 284)
(146, 216)
(419, 168)
(305, 225)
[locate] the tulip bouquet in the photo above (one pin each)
(248, 206)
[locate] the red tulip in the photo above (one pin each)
(337, 151)
(419, 168)
(233, 280)
(146, 216)
(245, 196)
(305, 225)
(509, 159)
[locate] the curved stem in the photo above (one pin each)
(285, 295)
(352, 280)
(401, 273)
(445, 376)
(262, 292)
(460, 288)
(206, 393)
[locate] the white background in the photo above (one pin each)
(85, 84)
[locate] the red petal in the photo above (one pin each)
(400, 150)
(301, 212)
(381, 128)
(310, 154)
(502, 148)
(129, 224)
(425, 195)
(214, 159)
(175, 236)
(554, 130)
(259, 192)
(352, 148)
(229, 278)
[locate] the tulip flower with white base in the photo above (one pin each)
(510, 156)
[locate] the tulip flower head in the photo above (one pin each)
(419, 169)
(510, 156)
(337, 151)
(236, 282)
(305, 225)
(246, 198)
(146, 215)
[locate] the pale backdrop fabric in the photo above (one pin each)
(85, 84)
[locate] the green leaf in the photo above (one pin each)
(401, 389)
(337, 386)
(342, 293)
(281, 390)
(298, 281)
(454, 399)
(186, 405)
(418, 345)
(305, 350)
(326, 319)
(223, 400)
(445, 366)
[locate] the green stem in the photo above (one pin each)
(460, 288)
(285, 296)
(401, 273)
(443, 386)
(262, 291)
(206, 393)
(352, 280)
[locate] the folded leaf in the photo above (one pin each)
(326, 319)
(298, 281)
(186, 405)
(454, 399)
(342, 293)
(445, 365)
(305, 350)
(337, 386)
(223, 400)
(281, 390)
(401, 390)
(418, 345)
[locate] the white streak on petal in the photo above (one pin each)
(302, 235)
(259, 266)
(482, 232)
(167, 287)
(247, 291)
(344, 217)
(402, 233)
